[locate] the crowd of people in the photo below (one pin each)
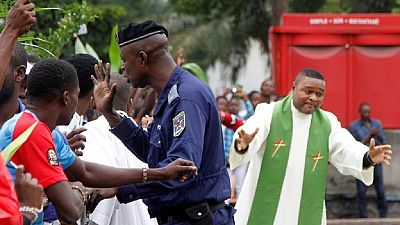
(81, 145)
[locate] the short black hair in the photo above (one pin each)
(19, 57)
(269, 79)
(84, 65)
(309, 73)
(362, 105)
(221, 97)
(50, 77)
(33, 59)
(250, 95)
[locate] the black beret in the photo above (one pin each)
(138, 31)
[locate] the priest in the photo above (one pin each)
(289, 144)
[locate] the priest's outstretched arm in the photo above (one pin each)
(250, 137)
(351, 157)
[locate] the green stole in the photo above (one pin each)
(273, 168)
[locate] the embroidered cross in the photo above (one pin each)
(277, 145)
(316, 157)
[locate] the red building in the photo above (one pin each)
(359, 55)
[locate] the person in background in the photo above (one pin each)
(31, 61)
(255, 98)
(238, 174)
(143, 104)
(363, 130)
(267, 90)
(230, 121)
(84, 65)
(222, 103)
(245, 109)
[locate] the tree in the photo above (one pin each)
(55, 26)
(224, 29)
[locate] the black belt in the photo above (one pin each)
(181, 215)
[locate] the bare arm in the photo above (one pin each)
(19, 20)
(67, 201)
(96, 175)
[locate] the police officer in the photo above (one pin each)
(186, 125)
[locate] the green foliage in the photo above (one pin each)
(306, 6)
(56, 25)
(99, 31)
(114, 54)
(359, 6)
(73, 15)
(84, 49)
(196, 70)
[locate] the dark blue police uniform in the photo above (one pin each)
(186, 125)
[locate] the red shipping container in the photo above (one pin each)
(358, 55)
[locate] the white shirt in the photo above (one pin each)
(104, 148)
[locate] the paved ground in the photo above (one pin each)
(369, 221)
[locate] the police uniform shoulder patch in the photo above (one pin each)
(52, 157)
(173, 93)
(179, 123)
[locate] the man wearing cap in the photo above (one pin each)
(186, 125)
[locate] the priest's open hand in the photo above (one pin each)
(381, 153)
(244, 139)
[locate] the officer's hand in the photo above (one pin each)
(21, 17)
(244, 139)
(103, 92)
(99, 194)
(29, 192)
(381, 153)
(183, 169)
(76, 140)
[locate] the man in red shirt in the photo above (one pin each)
(29, 192)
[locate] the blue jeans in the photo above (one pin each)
(380, 193)
(223, 216)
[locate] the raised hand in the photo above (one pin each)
(76, 140)
(244, 139)
(381, 153)
(29, 192)
(21, 17)
(103, 92)
(183, 169)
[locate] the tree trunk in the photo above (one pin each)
(278, 8)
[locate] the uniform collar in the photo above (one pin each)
(164, 94)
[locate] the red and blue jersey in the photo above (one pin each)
(37, 153)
